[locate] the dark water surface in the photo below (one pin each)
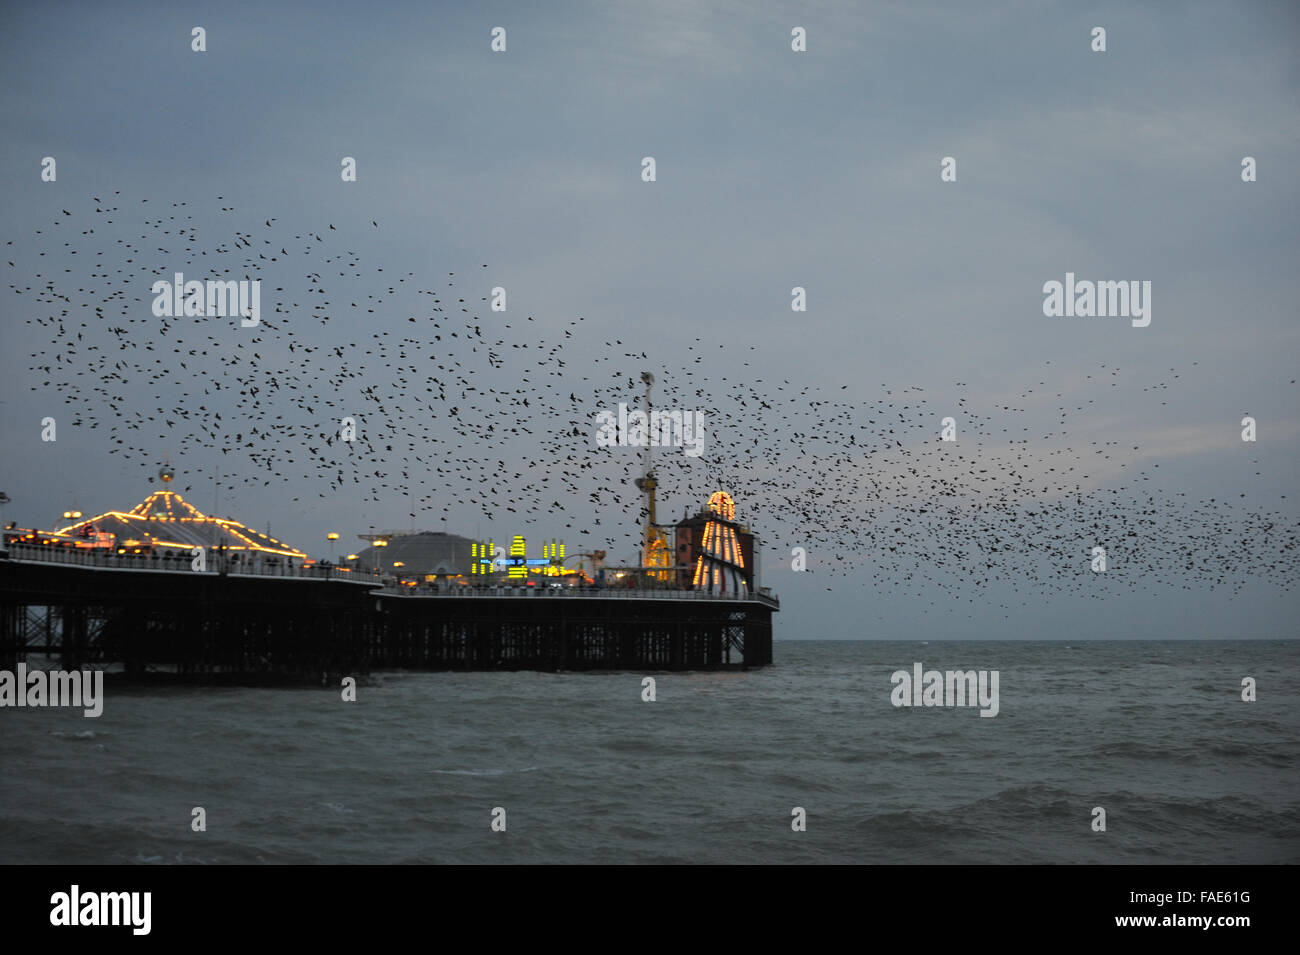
(1154, 732)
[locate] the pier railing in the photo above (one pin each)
(385, 584)
(458, 592)
(181, 562)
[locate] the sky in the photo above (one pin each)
(774, 169)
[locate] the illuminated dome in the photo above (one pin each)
(165, 520)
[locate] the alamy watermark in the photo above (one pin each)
(953, 688)
(75, 907)
(660, 429)
(1085, 299)
(210, 299)
(84, 688)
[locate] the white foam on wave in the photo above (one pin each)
(481, 772)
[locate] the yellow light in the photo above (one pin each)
(352, 557)
(398, 563)
(332, 536)
(381, 543)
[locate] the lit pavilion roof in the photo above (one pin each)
(165, 519)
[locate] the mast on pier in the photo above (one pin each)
(656, 558)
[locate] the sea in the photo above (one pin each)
(806, 761)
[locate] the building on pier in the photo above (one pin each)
(165, 521)
(415, 554)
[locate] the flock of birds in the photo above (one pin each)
(461, 410)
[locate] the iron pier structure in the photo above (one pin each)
(152, 616)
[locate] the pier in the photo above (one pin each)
(153, 616)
